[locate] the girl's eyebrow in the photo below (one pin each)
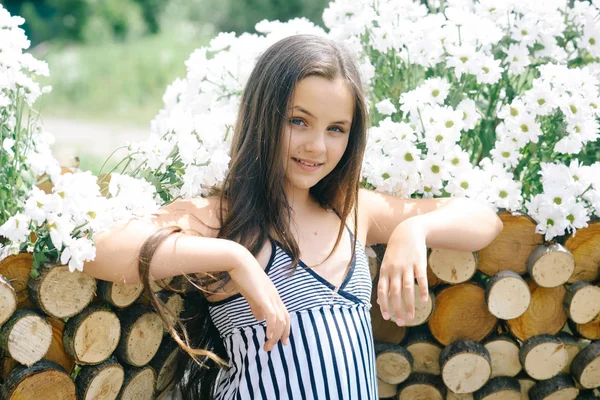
(302, 110)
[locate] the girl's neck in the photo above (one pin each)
(300, 201)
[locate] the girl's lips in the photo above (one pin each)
(305, 167)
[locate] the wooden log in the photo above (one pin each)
(543, 356)
(61, 293)
(499, 388)
(590, 331)
(544, 315)
(452, 266)
(551, 265)
(526, 382)
(26, 337)
(384, 330)
(461, 313)
(585, 247)
(139, 384)
(510, 250)
(141, 335)
(589, 394)
(560, 387)
(164, 363)
(385, 390)
(572, 347)
(174, 304)
(586, 366)
(507, 295)
(458, 396)
(422, 386)
(8, 300)
(425, 352)
(394, 363)
(43, 380)
(582, 302)
(57, 352)
(100, 382)
(92, 336)
(16, 268)
(120, 295)
(160, 284)
(504, 352)
(465, 366)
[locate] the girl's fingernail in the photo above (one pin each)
(386, 315)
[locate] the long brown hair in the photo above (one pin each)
(253, 204)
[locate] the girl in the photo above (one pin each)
(279, 253)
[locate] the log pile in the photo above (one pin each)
(64, 335)
(519, 319)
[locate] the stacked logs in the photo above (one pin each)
(519, 319)
(64, 335)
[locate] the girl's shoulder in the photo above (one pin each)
(200, 215)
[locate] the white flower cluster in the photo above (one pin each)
(75, 211)
(570, 193)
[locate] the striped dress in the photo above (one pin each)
(330, 353)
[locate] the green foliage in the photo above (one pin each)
(115, 81)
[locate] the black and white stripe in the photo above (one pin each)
(330, 354)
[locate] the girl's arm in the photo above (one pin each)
(409, 226)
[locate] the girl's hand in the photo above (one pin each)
(405, 258)
(263, 298)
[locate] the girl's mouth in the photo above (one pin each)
(305, 165)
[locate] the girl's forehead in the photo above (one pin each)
(316, 95)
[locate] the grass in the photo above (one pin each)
(114, 82)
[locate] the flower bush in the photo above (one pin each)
(497, 101)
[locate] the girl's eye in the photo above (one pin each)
(297, 121)
(337, 129)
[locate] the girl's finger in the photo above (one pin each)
(422, 281)
(409, 292)
(382, 296)
(396, 297)
(286, 334)
(270, 332)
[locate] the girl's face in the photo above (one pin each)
(317, 130)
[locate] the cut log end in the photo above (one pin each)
(96, 337)
(586, 366)
(394, 363)
(507, 295)
(499, 388)
(120, 295)
(504, 353)
(560, 387)
(44, 380)
(452, 266)
(138, 385)
(386, 390)
(100, 382)
(543, 356)
(466, 366)
(551, 266)
(28, 337)
(421, 386)
(141, 335)
(8, 300)
(582, 302)
(426, 357)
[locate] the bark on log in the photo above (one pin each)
(26, 337)
(465, 365)
(585, 247)
(507, 295)
(586, 366)
(551, 265)
(512, 247)
(422, 386)
(164, 363)
(544, 315)
(141, 335)
(43, 380)
(499, 388)
(461, 313)
(543, 356)
(590, 331)
(394, 363)
(100, 382)
(92, 336)
(504, 352)
(120, 295)
(8, 300)
(174, 304)
(61, 293)
(561, 387)
(582, 302)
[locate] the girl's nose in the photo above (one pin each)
(316, 143)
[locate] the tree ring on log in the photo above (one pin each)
(26, 337)
(551, 265)
(452, 266)
(120, 295)
(138, 384)
(582, 302)
(543, 356)
(465, 365)
(61, 293)
(507, 295)
(504, 352)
